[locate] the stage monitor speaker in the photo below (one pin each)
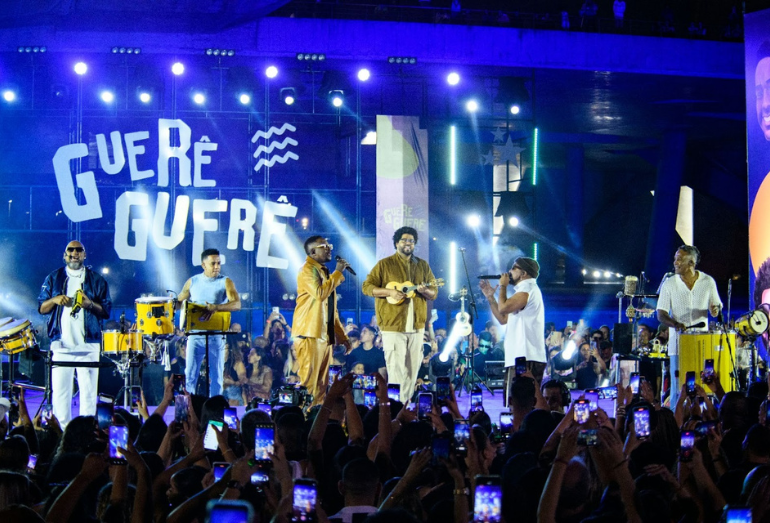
(623, 338)
(495, 372)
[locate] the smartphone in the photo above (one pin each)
(106, 398)
(286, 397)
(32, 463)
(608, 393)
(118, 438)
(569, 324)
(477, 402)
(703, 427)
(370, 399)
(136, 397)
(231, 418)
(690, 381)
(736, 514)
(181, 405)
(210, 439)
(260, 477)
(440, 446)
(334, 372)
(462, 433)
(349, 321)
(424, 405)
(592, 395)
(686, 444)
(229, 511)
(370, 382)
(305, 495)
(359, 382)
(219, 469)
(488, 502)
(264, 441)
(521, 365)
(179, 383)
(394, 391)
(15, 392)
(265, 407)
(443, 390)
(708, 371)
(506, 422)
(275, 310)
(46, 413)
(588, 437)
(642, 422)
(634, 383)
(582, 411)
(104, 413)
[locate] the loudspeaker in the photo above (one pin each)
(495, 372)
(623, 339)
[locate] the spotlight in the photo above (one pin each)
(472, 106)
(198, 98)
(288, 95)
(337, 101)
(569, 350)
(584, 271)
(364, 74)
(177, 68)
(245, 99)
(9, 96)
(411, 60)
(107, 97)
(271, 71)
(105, 270)
(515, 109)
(607, 274)
(319, 57)
(453, 78)
(596, 274)
(513, 221)
(474, 220)
(337, 98)
(145, 97)
(32, 49)
(81, 68)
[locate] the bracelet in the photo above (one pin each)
(622, 462)
(385, 404)
(461, 491)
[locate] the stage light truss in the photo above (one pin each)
(126, 50)
(213, 51)
(311, 57)
(32, 49)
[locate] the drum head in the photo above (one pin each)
(153, 299)
(9, 329)
(5, 320)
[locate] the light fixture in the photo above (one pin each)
(271, 71)
(244, 98)
(363, 74)
(515, 109)
(596, 274)
(473, 220)
(472, 106)
(177, 68)
(145, 97)
(9, 96)
(81, 68)
(107, 96)
(212, 51)
(288, 95)
(199, 98)
(337, 98)
(408, 60)
(126, 50)
(32, 49)
(308, 57)
(453, 78)
(105, 270)
(513, 221)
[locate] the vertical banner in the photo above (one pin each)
(757, 46)
(402, 182)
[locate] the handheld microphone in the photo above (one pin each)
(347, 267)
(490, 276)
(668, 275)
(698, 325)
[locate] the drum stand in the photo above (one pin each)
(124, 367)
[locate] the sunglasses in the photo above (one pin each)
(75, 249)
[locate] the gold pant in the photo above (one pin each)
(314, 356)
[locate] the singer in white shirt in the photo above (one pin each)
(686, 298)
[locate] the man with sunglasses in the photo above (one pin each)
(316, 323)
(403, 324)
(76, 300)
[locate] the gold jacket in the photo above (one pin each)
(313, 291)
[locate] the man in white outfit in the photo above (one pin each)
(76, 300)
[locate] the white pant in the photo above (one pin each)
(61, 381)
(403, 357)
(673, 362)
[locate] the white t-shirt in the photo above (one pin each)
(687, 306)
(73, 328)
(525, 330)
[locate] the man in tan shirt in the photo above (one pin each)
(402, 325)
(316, 321)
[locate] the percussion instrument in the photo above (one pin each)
(696, 348)
(155, 315)
(116, 342)
(629, 285)
(190, 319)
(408, 289)
(752, 324)
(16, 336)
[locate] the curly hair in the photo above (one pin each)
(762, 282)
(404, 230)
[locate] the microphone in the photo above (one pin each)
(698, 325)
(668, 275)
(347, 267)
(490, 276)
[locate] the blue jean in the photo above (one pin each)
(675, 389)
(196, 350)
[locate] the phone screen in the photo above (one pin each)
(259, 477)
(370, 399)
(487, 506)
(738, 515)
(394, 391)
(334, 372)
(608, 393)
(303, 504)
(231, 418)
(180, 408)
(462, 433)
(521, 365)
(45, 414)
(424, 405)
(440, 447)
(264, 440)
(690, 380)
(230, 512)
(588, 437)
(179, 383)
(219, 469)
(593, 400)
(32, 463)
(686, 444)
(104, 415)
(634, 383)
(370, 382)
(286, 397)
(476, 400)
(582, 411)
(642, 422)
(265, 407)
(118, 438)
(506, 422)
(136, 398)
(210, 439)
(708, 371)
(443, 390)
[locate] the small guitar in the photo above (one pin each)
(408, 289)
